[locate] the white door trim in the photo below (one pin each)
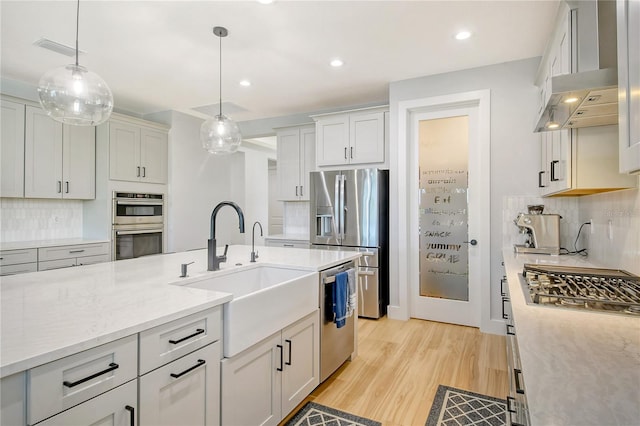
(407, 268)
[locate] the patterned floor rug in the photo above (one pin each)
(313, 414)
(453, 406)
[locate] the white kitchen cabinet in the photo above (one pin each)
(583, 161)
(288, 243)
(628, 19)
(356, 137)
(296, 158)
(137, 152)
(13, 402)
(57, 257)
(18, 261)
(59, 159)
(12, 149)
(264, 383)
(118, 407)
(59, 385)
(183, 392)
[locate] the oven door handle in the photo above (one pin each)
(139, 202)
(141, 231)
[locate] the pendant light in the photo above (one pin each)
(74, 95)
(220, 135)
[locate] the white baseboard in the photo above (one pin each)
(397, 313)
(494, 326)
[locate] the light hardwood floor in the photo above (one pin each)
(401, 363)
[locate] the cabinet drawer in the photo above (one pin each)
(73, 251)
(116, 407)
(62, 384)
(90, 260)
(172, 340)
(13, 257)
(288, 243)
(56, 264)
(18, 269)
(195, 378)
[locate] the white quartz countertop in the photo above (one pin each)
(579, 367)
(288, 237)
(49, 315)
(21, 245)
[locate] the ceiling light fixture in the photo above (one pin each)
(245, 83)
(571, 100)
(552, 124)
(74, 95)
(463, 35)
(336, 63)
(220, 134)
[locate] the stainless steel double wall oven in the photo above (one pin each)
(138, 224)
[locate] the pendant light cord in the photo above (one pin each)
(77, 29)
(220, 91)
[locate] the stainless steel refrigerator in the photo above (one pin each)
(349, 210)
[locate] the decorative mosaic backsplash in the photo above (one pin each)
(296, 217)
(567, 207)
(36, 219)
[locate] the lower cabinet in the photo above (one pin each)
(183, 392)
(263, 384)
(72, 255)
(116, 407)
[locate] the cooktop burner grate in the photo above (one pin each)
(584, 288)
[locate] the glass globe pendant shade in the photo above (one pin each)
(74, 95)
(220, 135)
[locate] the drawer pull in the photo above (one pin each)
(511, 330)
(198, 331)
(132, 414)
(509, 409)
(200, 362)
(280, 347)
(287, 245)
(517, 373)
(76, 251)
(112, 367)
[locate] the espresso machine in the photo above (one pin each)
(542, 231)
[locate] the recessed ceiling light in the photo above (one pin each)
(245, 83)
(463, 35)
(336, 63)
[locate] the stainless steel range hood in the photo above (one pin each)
(593, 83)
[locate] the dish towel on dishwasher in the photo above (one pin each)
(340, 299)
(351, 305)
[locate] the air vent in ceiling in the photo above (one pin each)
(54, 46)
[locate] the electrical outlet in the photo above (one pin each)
(592, 226)
(610, 229)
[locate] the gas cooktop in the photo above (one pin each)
(600, 289)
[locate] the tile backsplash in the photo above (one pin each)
(39, 219)
(296, 217)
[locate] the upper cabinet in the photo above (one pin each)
(296, 151)
(138, 151)
(354, 137)
(628, 14)
(12, 149)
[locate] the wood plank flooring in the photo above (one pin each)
(401, 363)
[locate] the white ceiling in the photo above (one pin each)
(161, 55)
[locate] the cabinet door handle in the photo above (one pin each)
(509, 408)
(553, 171)
(144, 171)
(509, 332)
(289, 342)
(59, 187)
(516, 374)
(112, 367)
(200, 362)
(351, 152)
(504, 314)
(301, 190)
(502, 281)
(540, 185)
(296, 190)
(198, 331)
(67, 187)
(138, 171)
(281, 358)
(132, 414)
(345, 152)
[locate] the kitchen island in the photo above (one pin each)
(579, 367)
(52, 314)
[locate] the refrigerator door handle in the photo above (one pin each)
(343, 181)
(337, 205)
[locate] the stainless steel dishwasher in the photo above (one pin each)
(336, 344)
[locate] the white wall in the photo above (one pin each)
(514, 150)
(199, 181)
(256, 203)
